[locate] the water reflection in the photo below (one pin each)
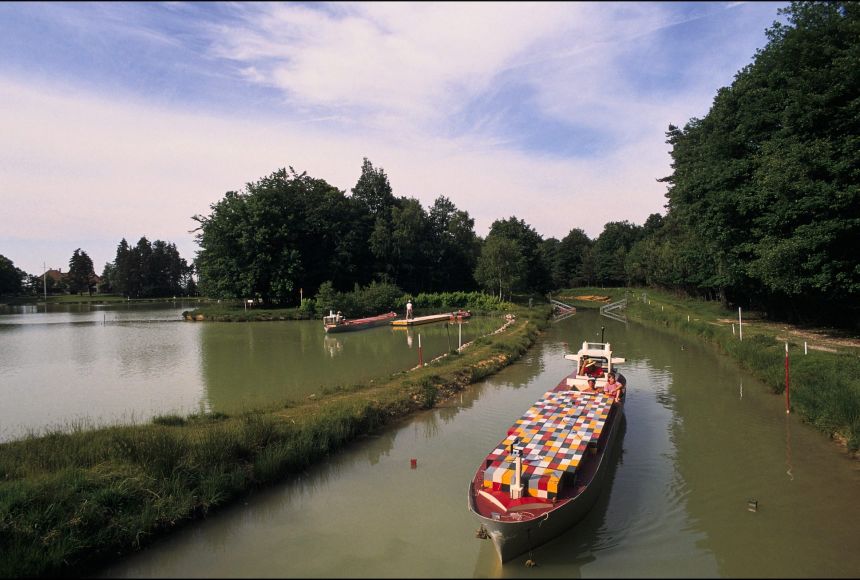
(259, 364)
(126, 362)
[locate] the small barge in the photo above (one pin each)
(337, 323)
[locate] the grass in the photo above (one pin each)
(70, 501)
(94, 299)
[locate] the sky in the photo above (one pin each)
(123, 120)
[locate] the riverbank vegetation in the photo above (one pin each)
(72, 500)
(373, 299)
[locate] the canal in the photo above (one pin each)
(702, 440)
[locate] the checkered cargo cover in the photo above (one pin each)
(554, 434)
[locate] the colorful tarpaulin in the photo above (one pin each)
(554, 435)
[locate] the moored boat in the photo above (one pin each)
(337, 323)
(546, 474)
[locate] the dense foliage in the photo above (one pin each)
(763, 199)
(287, 234)
(148, 270)
(11, 278)
(81, 277)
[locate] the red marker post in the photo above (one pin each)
(787, 394)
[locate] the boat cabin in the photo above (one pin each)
(594, 359)
(333, 319)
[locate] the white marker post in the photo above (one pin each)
(740, 326)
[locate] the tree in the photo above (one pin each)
(500, 265)
(108, 278)
(572, 253)
(610, 251)
(373, 190)
(455, 246)
(120, 280)
(11, 278)
(284, 232)
(81, 274)
(765, 188)
(535, 276)
(410, 245)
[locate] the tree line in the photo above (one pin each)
(289, 234)
(145, 270)
(763, 206)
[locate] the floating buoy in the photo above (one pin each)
(752, 505)
(413, 463)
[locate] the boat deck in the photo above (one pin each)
(557, 436)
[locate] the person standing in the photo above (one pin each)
(409, 310)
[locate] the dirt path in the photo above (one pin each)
(825, 339)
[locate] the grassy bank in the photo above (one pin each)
(824, 374)
(70, 501)
(94, 299)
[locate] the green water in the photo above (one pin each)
(86, 365)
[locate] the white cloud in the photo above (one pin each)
(412, 61)
(78, 166)
(377, 80)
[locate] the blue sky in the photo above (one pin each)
(126, 119)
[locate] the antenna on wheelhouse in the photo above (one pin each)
(602, 330)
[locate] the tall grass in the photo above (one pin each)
(70, 501)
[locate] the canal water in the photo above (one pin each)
(92, 365)
(702, 440)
